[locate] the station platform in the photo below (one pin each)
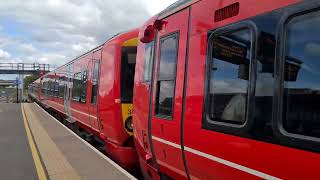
(34, 145)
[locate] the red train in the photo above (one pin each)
(222, 90)
(93, 93)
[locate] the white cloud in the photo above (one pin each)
(27, 47)
(77, 47)
(4, 54)
(65, 29)
(313, 49)
(156, 6)
(55, 31)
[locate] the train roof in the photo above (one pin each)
(175, 7)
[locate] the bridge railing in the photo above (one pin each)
(25, 66)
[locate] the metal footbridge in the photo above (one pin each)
(24, 68)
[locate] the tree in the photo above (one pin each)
(29, 79)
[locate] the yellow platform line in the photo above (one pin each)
(35, 154)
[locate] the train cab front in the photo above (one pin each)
(126, 154)
(128, 62)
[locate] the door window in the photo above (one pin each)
(166, 75)
(148, 57)
(95, 79)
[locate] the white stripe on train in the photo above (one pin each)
(219, 160)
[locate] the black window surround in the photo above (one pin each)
(207, 122)
(148, 62)
(289, 138)
(79, 89)
(176, 35)
(95, 81)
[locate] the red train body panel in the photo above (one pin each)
(183, 145)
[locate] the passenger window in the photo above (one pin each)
(43, 87)
(84, 85)
(95, 79)
(45, 84)
(301, 111)
(62, 81)
(76, 90)
(79, 92)
(51, 88)
(229, 77)
(56, 88)
(148, 57)
(166, 75)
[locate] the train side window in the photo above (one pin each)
(49, 87)
(61, 90)
(76, 89)
(95, 82)
(53, 86)
(148, 57)
(301, 93)
(56, 89)
(43, 87)
(62, 81)
(166, 75)
(228, 84)
(83, 86)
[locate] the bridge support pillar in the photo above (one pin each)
(21, 88)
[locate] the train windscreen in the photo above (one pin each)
(127, 73)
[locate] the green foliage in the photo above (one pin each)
(29, 79)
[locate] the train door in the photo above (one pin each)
(168, 86)
(67, 92)
(94, 78)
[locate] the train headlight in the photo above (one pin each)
(129, 124)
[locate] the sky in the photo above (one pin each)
(55, 31)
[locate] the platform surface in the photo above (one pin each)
(16, 161)
(34, 145)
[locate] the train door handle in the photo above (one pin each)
(144, 139)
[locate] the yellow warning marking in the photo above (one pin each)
(126, 113)
(34, 151)
(131, 42)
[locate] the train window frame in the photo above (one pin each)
(95, 82)
(50, 87)
(76, 91)
(175, 34)
(56, 88)
(232, 128)
(278, 110)
(84, 86)
(147, 70)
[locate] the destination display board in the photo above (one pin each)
(230, 51)
(291, 68)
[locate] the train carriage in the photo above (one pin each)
(229, 90)
(92, 94)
